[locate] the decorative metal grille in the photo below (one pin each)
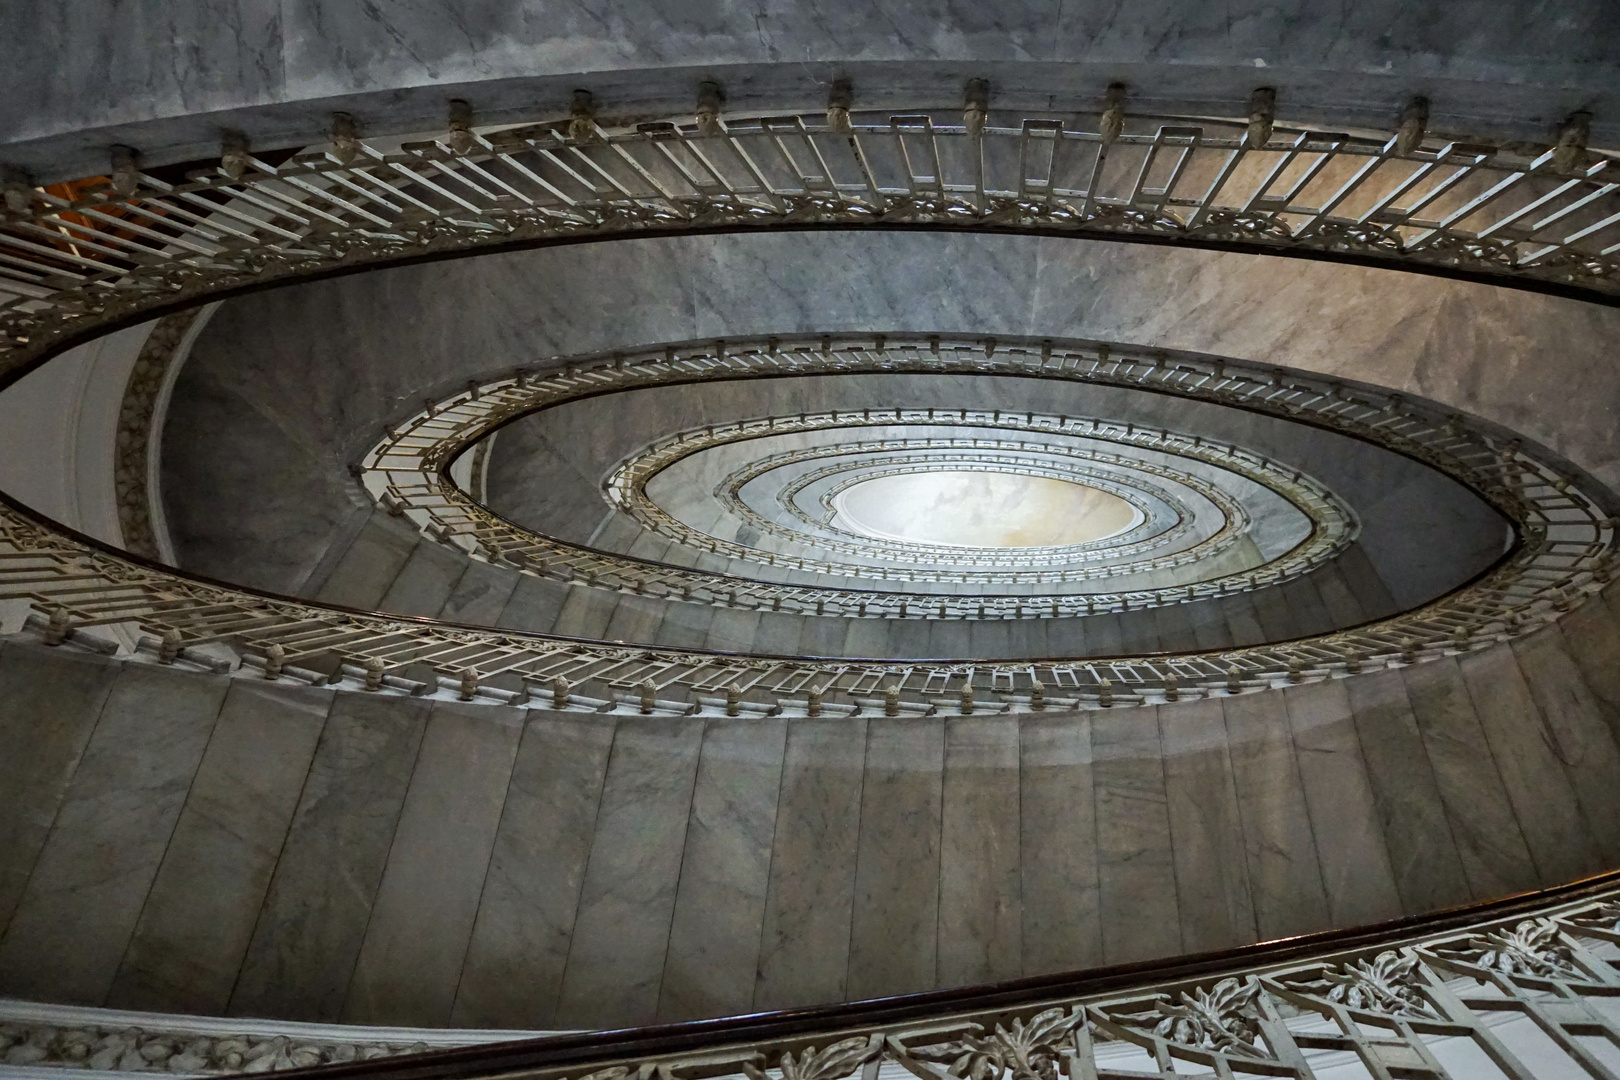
(71, 268)
(140, 244)
(406, 471)
(1565, 551)
(1527, 990)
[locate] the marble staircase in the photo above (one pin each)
(178, 841)
(386, 565)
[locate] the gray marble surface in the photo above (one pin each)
(525, 921)
(45, 724)
(198, 918)
(719, 913)
(1495, 857)
(1538, 783)
(1356, 872)
(108, 836)
(422, 919)
(1590, 635)
(166, 77)
(313, 921)
(804, 950)
(1284, 861)
(311, 854)
(1215, 906)
(1139, 907)
(1406, 794)
(621, 932)
(894, 932)
(1058, 880)
(980, 930)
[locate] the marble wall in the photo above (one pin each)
(178, 841)
(166, 76)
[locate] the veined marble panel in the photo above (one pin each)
(52, 702)
(422, 920)
(525, 923)
(198, 918)
(893, 941)
(1285, 873)
(84, 896)
(805, 944)
(980, 875)
(310, 930)
(1135, 858)
(1494, 854)
(714, 942)
(621, 934)
(1215, 905)
(1356, 872)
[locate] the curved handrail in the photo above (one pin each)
(1389, 985)
(1566, 551)
(81, 264)
(113, 255)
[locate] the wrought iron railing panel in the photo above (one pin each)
(406, 471)
(1523, 989)
(106, 253)
(1565, 552)
(75, 265)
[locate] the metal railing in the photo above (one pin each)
(109, 252)
(406, 471)
(1526, 988)
(73, 267)
(1566, 551)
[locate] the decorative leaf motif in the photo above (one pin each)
(837, 1061)
(1605, 916)
(1388, 984)
(1214, 1019)
(136, 1050)
(1024, 1052)
(1531, 948)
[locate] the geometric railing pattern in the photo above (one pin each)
(1527, 989)
(139, 244)
(405, 471)
(73, 267)
(1010, 444)
(1565, 551)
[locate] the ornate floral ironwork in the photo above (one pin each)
(1533, 947)
(1220, 1018)
(1389, 983)
(1247, 1022)
(1020, 1051)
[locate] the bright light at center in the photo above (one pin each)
(983, 509)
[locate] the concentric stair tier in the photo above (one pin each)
(197, 843)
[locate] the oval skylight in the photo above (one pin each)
(983, 509)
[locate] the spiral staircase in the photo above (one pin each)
(923, 560)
